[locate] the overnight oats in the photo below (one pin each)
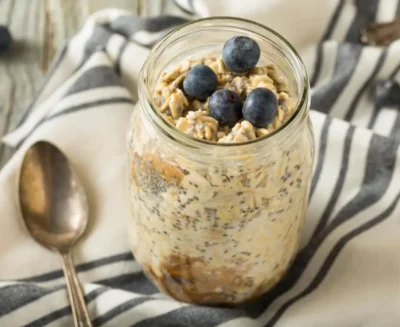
(220, 155)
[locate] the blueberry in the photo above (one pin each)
(260, 107)
(5, 38)
(200, 82)
(240, 54)
(226, 107)
(387, 93)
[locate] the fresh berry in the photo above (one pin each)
(200, 82)
(260, 107)
(226, 107)
(5, 38)
(387, 93)
(240, 54)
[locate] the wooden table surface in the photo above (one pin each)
(38, 28)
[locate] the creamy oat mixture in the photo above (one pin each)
(192, 116)
(213, 232)
(216, 235)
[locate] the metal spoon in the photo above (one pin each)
(55, 209)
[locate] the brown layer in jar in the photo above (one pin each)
(190, 280)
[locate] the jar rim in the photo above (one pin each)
(171, 130)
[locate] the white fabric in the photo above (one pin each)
(361, 286)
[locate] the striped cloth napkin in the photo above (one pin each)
(347, 273)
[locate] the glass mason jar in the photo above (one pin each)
(218, 223)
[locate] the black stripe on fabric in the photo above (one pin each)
(126, 256)
(120, 54)
(90, 105)
(376, 108)
(366, 12)
(186, 11)
(99, 76)
(97, 42)
(14, 296)
(100, 34)
(339, 183)
(330, 259)
(333, 21)
(131, 282)
(129, 25)
(23, 294)
(193, 316)
(119, 309)
(321, 154)
(84, 106)
(379, 167)
(134, 282)
(366, 85)
(395, 132)
(27, 293)
(191, 4)
(317, 66)
(65, 311)
(56, 62)
(395, 71)
(326, 36)
(375, 112)
(347, 58)
(151, 44)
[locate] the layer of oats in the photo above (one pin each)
(192, 116)
(216, 233)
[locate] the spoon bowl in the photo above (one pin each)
(54, 207)
(53, 202)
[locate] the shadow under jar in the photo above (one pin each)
(218, 223)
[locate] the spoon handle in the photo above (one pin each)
(79, 309)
